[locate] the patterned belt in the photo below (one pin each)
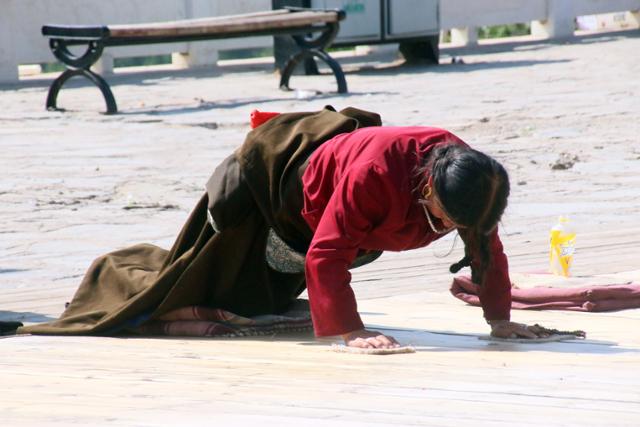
(283, 258)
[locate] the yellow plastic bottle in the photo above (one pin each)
(562, 241)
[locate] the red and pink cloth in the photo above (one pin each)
(601, 297)
(256, 118)
(198, 321)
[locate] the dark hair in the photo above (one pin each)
(473, 189)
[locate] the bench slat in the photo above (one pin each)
(80, 32)
(223, 25)
(93, 32)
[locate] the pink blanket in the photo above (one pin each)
(604, 297)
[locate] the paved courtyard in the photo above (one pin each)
(564, 118)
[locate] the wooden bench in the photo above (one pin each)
(313, 31)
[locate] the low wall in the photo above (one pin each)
(549, 18)
(22, 43)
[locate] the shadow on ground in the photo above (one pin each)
(433, 340)
(24, 316)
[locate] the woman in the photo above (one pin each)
(396, 189)
(306, 197)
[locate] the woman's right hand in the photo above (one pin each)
(363, 338)
(508, 329)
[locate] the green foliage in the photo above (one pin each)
(52, 67)
(498, 31)
(142, 61)
(245, 53)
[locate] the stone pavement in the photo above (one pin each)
(564, 118)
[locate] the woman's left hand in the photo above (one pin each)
(508, 329)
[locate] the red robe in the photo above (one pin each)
(359, 193)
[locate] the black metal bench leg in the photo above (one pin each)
(79, 65)
(310, 53)
(101, 83)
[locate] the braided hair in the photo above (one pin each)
(473, 189)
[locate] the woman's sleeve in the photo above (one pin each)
(358, 203)
(495, 295)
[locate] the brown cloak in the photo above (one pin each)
(255, 189)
